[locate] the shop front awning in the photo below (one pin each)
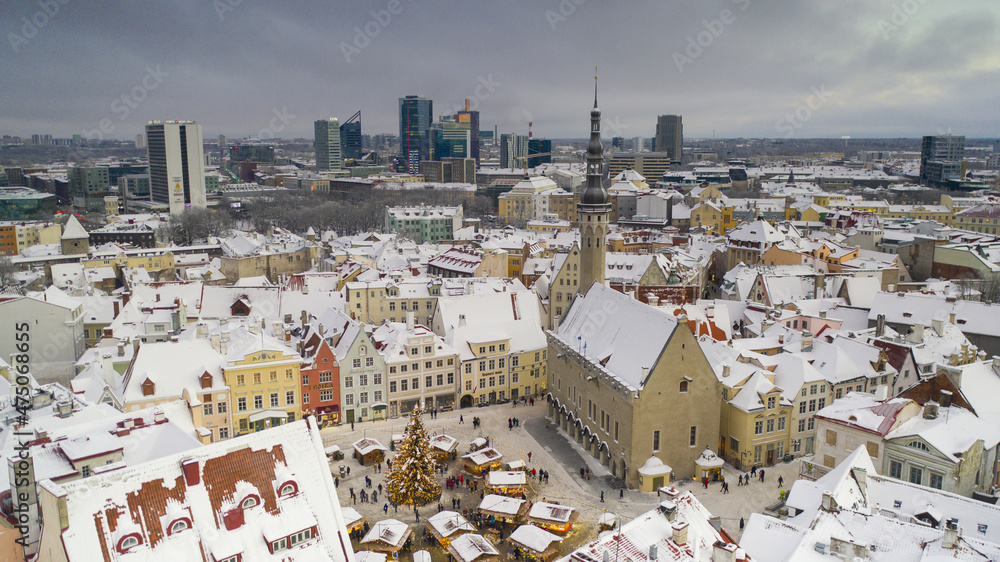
(268, 415)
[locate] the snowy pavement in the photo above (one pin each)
(550, 450)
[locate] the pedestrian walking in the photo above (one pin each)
(416, 514)
(781, 481)
(461, 420)
(352, 426)
(740, 480)
(602, 496)
(385, 508)
(762, 475)
(529, 456)
(753, 470)
(705, 482)
(742, 523)
(621, 493)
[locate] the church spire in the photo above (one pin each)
(594, 208)
(595, 194)
(595, 87)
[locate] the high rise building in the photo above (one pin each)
(327, 143)
(88, 185)
(513, 150)
(222, 141)
(350, 138)
(594, 208)
(637, 144)
(669, 136)
(472, 118)
(618, 143)
(450, 138)
(941, 158)
(542, 148)
(140, 141)
(415, 115)
(176, 172)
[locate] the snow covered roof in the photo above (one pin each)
(470, 547)
(654, 467)
(864, 411)
(551, 512)
(368, 445)
(972, 317)
(447, 523)
(952, 432)
(621, 334)
(501, 504)
(391, 532)
(502, 478)
(534, 538)
(484, 456)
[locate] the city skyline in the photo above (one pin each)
(731, 67)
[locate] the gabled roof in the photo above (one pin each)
(74, 230)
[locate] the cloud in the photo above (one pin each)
(232, 63)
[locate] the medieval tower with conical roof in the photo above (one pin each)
(594, 208)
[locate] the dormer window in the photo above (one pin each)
(179, 525)
(288, 489)
(128, 542)
(250, 501)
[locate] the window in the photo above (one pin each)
(770, 425)
(802, 425)
(513, 361)
(256, 378)
(378, 395)
(364, 398)
(916, 475)
(179, 525)
(348, 382)
(415, 383)
(241, 380)
(440, 380)
(802, 407)
(694, 436)
(404, 385)
(127, 543)
(249, 501)
(273, 376)
(772, 401)
(289, 397)
(656, 441)
(363, 380)
(812, 423)
(428, 381)
(493, 349)
(305, 399)
(349, 399)
(414, 351)
(287, 490)
(468, 368)
(821, 403)
(812, 405)
(501, 362)
(356, 363)
(812, 389)
(937, 481)
(224, 432)
(323, 377)
(493, 381)
(428, 349)
(222, 407)
(207, 409)
(493, 364)
(781, 424)
(288, 374)
(278, 545)
(918, 445)
(684, 386)
(258, 401)
(831, 438)
(274, 400)
(415, 367)
(241, 404)
(758, 427)
(468, 386)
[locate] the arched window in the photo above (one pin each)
(684, 386)
(588, 242)
(249, 501)
(128, 542)
(288, 489)
(179, 525)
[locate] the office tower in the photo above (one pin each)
(222, 141)
(669, 136)
(618, 143)
(88, 185)
(327, 143)
(472, 118)
(176, 172)
(140, 141)
(637, 144)
(450, 138)
(350, 138)
(542, 148)
(941, 158)
(415, 115)
(513, 150)
(77, 138)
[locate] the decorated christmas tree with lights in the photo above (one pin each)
(411, 479)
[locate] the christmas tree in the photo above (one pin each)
(411, 479)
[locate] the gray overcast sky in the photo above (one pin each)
(732, 67)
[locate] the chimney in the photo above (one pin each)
(679, 533)
(192, 474)
(224, 346)
(461, 320)
(117, 306)
(652, 552)
(807, 340)
(135, 346)
(822, 314)
(277, 329)
(938, 325)
(723, 552)
(109, 370)
(224, 337)
(828, 503)
(945, 398)
(215, 342)
(304, 318)
(409, 320)
(201, 331)
(880, 326)
(882, 392)
(931, 410)
(288, 335)
(952, 534)
(121, 349)
(781, 339)
(725, 371)
(765, 324)
(159, 416)
(951, 317)
(917, 334)
(653, 300)
(861, 477)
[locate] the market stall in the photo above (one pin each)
(709, 465)
(508, 483)
(368, 556)
(517, 465)
(447, 526)
(442, 447)
(535, 543)
(477, 443)
(503, 509)
(607, 521)
(421, 556)
(482, 460)
(471, 547)
(388, 536)
(353, 520)
(369, 451)
(333, 453)
(552, 516)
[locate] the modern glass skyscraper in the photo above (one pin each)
(327, 143)
(669, 136)
(176, 164)
(415, 115)
(472, 118)
(542, 147)
(350, 140)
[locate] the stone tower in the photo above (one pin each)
(594, 208)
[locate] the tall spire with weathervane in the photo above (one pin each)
(594, 208)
